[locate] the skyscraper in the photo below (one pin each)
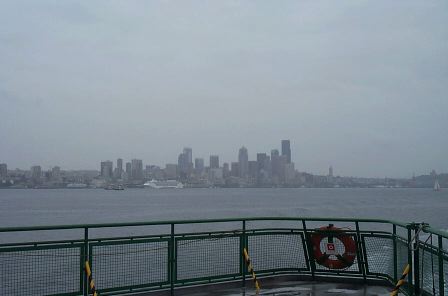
(106, 169)
(188, 155)
(137, 169)
(214, 161)
(199, 165)
(3, 171)
(120, 166)
(243, 162)
(286, 150)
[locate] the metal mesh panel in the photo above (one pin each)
(124, 264)
(207, 257)
(430, 273)
(46, 270)
(380, 255)
(276, 251)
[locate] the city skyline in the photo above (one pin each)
(359, 85)
(283, 149)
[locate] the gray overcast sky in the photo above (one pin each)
(361, 85)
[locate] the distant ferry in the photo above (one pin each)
(156, 184)
(76, 185)
(114, 187)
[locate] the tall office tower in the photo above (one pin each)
(214, 161)
(128, 169)
(225, 170)
(274, 152)
(199, 165)
(106, 169)
(171, 171)
(234, 169)
(36, 172)
(243, 162)
(286, 150)
(137, 169)
(252, 169)
(3, 171)
(188, 155)
(330, 171)
(56, 173)
(182, 163)
(120, 166)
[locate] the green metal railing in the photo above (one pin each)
(166, 255)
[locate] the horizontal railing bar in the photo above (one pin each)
(430, 230)
(179, 222)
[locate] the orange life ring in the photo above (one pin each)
(334, 260)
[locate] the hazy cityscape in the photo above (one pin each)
(274, 169)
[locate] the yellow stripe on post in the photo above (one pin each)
(401, 281)
(251, 270)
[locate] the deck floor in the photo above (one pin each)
(275, 287)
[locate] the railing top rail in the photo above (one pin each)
(432, 230)
(202, 221)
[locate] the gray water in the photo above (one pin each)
(63, 206)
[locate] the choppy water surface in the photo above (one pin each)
(46, 207)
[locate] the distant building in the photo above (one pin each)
(199, 165)
(106, 169)
(274, 152)
(185, 162)
(171, 171)
(286, 150)
(214, 161)
(128, 169)
(330, 171)
(36, 173)
(119, 168)
(225, 170)
(3, 171)
(189, 155)
(136, 169)
(56, 173)
(253, 169)
(234, 169)
(243, 162)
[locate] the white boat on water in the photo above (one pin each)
(436, 186)
(76, 185)
(166, 184)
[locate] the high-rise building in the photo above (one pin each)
(214, 161)
(234, 169)
(243, 162)
(136, 169)
(106, 169)
(185, 162)
(56, 173)
(330, 171)
(188, 155)
(36, 173)
(286, 150)
(171, 171)
(120, 165)
(199, 165)
(3, 171)
(128, 168)
(225, 170)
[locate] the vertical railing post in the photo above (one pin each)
(361, 262)
(410, 259)
(441, 274)
(242, 246)
(86, 256)
(415, 248)
(310, 250)
(394, 241)
(171, 260)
